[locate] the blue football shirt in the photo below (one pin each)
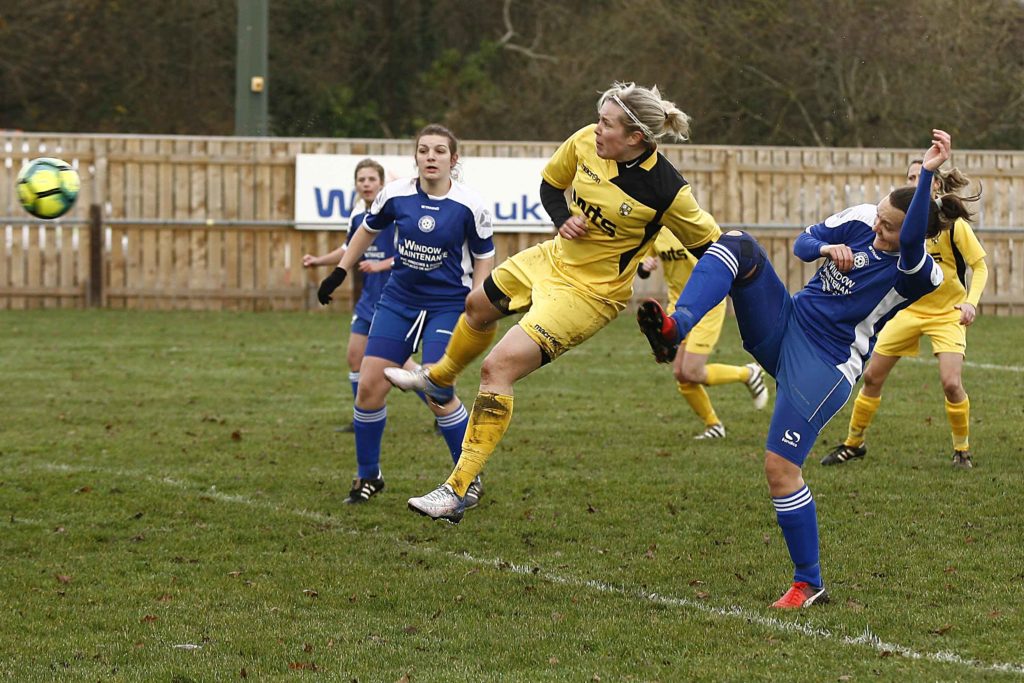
(382, 248)
(436, 240)
(844, 312)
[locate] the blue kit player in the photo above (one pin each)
(444, 247)
(816, 342)
(375, 266)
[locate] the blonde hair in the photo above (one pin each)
(645, 112)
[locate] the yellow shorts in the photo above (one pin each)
(704, 336)
(901, 336)
(560, 314)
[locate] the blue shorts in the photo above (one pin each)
(810, 390)
(398, 331)
(360, 325)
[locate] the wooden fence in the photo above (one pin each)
(205, 223)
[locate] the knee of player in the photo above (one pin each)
(744, 253)
(373, 389)
(782, 475)
(480, 311)
(952, 385)
(690, 377)
(494, 368)
(873, 380)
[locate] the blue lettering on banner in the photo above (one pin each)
(524, 210)
(327, 211)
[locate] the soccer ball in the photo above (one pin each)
(47, 188)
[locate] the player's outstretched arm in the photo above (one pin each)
(915, 225)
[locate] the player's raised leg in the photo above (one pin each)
(473, 333)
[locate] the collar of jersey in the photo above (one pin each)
(644, 161)
(419, 188)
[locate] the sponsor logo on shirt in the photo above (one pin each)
(587, 171)
(834, 282)
(425, 257)
(791, 438)
(595, 215)
(426, 223)
(674, 255)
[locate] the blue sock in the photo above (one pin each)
(710, 282)
(353, 378)
(798, 519)
(369, 429)
(453, 429)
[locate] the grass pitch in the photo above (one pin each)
(170, 509)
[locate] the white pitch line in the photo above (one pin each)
(867, 638)
(969, 364)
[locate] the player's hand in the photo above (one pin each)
(329, 284)
(376, 266)
(650, 264)
(967, 313)
(939, 151)
(575, 227)
(839, 254)
(308, 261)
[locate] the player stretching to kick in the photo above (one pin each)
(623, 192)
(691, 369)
(815, 343)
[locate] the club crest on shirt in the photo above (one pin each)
(625, 209)
(426, 223)
(860, 259)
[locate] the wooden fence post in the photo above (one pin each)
(733, 213)
(95, 298)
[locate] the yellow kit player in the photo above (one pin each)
(691, 367)
(621, 192)
(944, 316)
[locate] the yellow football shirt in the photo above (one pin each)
(625, 204)
(676, 263)
(954, 250)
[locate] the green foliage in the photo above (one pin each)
(800, 72)
(170, 505)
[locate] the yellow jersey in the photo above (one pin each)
(676, 263)
(625, 205)
(954, 250)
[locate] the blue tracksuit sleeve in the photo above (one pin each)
(915, 224)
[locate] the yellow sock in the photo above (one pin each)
(726, 374)
(864, 408)
(700, 402)
(959, 415)
(465, 345)
(491, 416)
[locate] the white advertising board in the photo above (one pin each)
(325, 189)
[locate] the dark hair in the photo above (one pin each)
(942, 212)
(370, 163)
(443, 131)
